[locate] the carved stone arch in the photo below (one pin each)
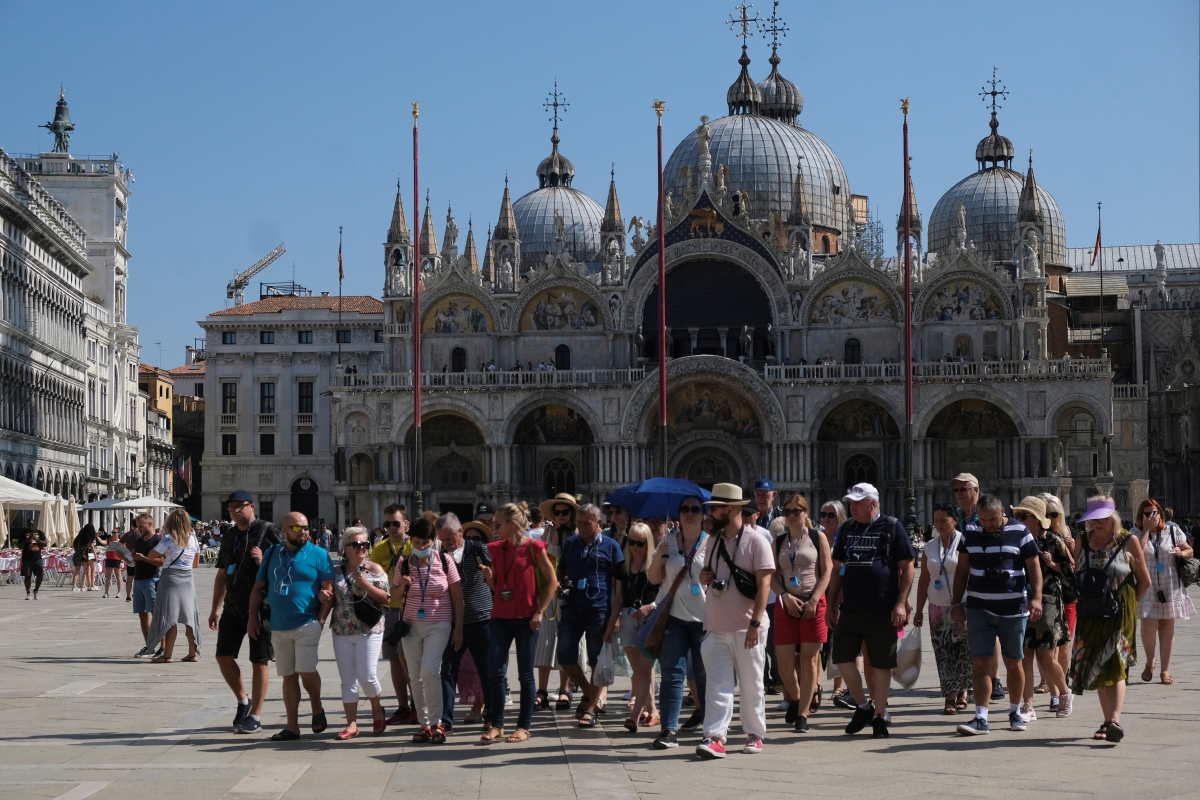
(950, 276)
(444, 405)
(552, 279)
(344, 427)
(892, 405)
(767, 274)
(1079, 400)
(858, 272)
(722, 370)
(692, 443)
(445, 288)
(507, 429)
(924, 417)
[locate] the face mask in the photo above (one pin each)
(422, 553)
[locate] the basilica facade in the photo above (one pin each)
(785, 326)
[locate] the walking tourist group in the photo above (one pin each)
(706, 596)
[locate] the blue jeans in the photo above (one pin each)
(679, 639)
(502, 633)
(573, 625)
(477, 639)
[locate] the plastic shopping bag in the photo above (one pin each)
(603, 674)
(908, 659)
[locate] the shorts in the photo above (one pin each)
(574, 625)
(790, 631)
(984, 627)
(872, 629)
(296, 649)
(1069, 613)
(231, 631)
(145, 592)
(110, 564)
(390, 617)
(32, 567)
(77, 559)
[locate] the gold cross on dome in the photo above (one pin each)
(744, 20)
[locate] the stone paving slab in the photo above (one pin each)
(80, 719)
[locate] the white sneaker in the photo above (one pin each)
(1028, 713)
(105, 595)
(783, 705)
(28, 595)
(1064, 706)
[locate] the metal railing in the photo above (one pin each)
(498, 379)
(937, 370)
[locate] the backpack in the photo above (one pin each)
(1093, 589)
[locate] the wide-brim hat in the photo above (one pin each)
(1035, 506)
(726, 494)
(483, 528)
(1099, 509)
(562, 498)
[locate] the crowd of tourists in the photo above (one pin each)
(724, 597)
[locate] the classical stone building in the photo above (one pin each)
(784, 319)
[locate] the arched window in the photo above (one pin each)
(305, 498)
(853, 352)
(397, 257)
(562, 357)
(824, 244)
(861, 469)
(559, 477)
(458, 360)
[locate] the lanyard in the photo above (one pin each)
(687, 560)
(287, 561)
(424, 584)
(793, 549)
(945, 550)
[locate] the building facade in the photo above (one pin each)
(187, 432)
(268, 369)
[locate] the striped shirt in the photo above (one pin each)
(430, 588)
(1007, 550)
(477, 597)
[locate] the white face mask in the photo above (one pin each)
(422, 553)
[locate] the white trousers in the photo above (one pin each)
(423, 648)
(728, 665)
(357, 659)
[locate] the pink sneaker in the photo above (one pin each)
(711, 748)
(753, 745)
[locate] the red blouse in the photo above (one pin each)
(515, 571)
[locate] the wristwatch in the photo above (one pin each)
(754, 623)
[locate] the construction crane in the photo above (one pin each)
(237, 287)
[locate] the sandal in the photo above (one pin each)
(347, 734)
(631, 725)
(492, 735)
(582, 709)
(652, 722)
(1041, 688)
(541, 701)
(438, 735)
(950, 709)
(1166, 679)
(1115, 732)
(1148, 673)
(475, 719)
(588, 720)
(563, 702)
(1101, 733)
(191, 659)
(285, 736)
(378, 726)
(423, 735)
(815, 705)
(601, 710)
(319, 723)
(961, 703)
(519, 735)
(162, 660)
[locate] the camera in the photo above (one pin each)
(719, 586)
(995, 574)
(564, 591)
(1162, 596)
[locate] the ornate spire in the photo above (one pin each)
(470, 256)
(398, 232)
(994, 149)
(489, 261)
(781, 99)
(61, 127)
(915, 215)
(1030, 207)
(429, 247)
(799, 203)
(612, 223)
(743, 96)
(555, 169)
(506, 226)
(450, 239)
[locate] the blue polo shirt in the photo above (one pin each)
(598, 564)
(293, 580)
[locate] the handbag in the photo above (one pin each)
(1188, 568)
(367, 612)
(649, 638)
(745, 580)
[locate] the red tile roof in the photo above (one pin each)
(351, 304)
(188, 369)
(144, 368)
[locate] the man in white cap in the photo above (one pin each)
(872, 574)
(966, 494)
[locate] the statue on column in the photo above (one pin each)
(960, 226)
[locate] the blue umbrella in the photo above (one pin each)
(656, 497)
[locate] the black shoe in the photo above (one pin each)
(665, 741)
(145, 651)
(845, 700)
(158, 653)
(243, 711)
(801, 725)
(862, 715)
(693, 722)
(772, 689)
(793, 711)
(879, 728)
(998, 690)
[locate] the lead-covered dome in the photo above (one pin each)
(781, 99)
(762, 155)
(581, 217)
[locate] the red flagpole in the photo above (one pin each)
(415, 321)
(659, 108)
(910, 494)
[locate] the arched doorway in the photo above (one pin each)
(852, 352)
(562, 357)
(454, 456)
(551, 446)
(707, 466)
(305, 499)
(860, 468)
(858, 441)
(978, 437)
(715, 299)
(458, 360)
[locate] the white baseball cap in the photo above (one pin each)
(863, 491)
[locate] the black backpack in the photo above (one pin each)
(1093, 588)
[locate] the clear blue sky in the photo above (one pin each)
(247, 124)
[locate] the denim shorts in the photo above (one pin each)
(983, 627)
(577, 624)
(145, 591)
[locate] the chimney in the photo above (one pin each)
(324, 294)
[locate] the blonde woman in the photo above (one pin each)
(1105, 646)
(177, 554)
(1058, 523)
(633, 601)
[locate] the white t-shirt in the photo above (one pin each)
(941, 568)
(171, 552)
(687, 606)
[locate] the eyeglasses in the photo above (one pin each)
(358, 545)
(562, 512)
(828, 515)
(1052, 514)
(636, 543)
(238, 506)
(297, 528)
(795, 512)
(1021, 515)
(395, 523)
(690, 509)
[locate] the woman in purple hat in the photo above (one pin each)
(1105, 635)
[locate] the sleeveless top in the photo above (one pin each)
(1119, 570)
(798, 559)
(515, 570)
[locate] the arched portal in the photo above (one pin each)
(707, 466)
(708, 303)
(858, 441)
(454, 452)
(305, 499)
(552, 446)
(975, 436)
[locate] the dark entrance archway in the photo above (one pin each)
(305, 498)
(707, 466)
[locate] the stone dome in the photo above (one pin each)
(581, 224)
(762, 156)
(781, 99)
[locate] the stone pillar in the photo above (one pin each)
(693, 334)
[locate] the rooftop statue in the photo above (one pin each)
(61, 127)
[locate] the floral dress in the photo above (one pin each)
(1105, 649)
(1041, 637)
(342, 620)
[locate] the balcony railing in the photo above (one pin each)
(491, 380)
(393, 329)
(930, 371)
(1130, 391)
(266, 420)
(229, 420)
(304, 420)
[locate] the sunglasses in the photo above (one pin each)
(963, 489)
(795, 512)
(1052, 514)
(636, 543)
(1021, 515)
(358, 545)
(828, 515)
(395, 523)
(562, 512)
(297, 528)
(690, 509)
